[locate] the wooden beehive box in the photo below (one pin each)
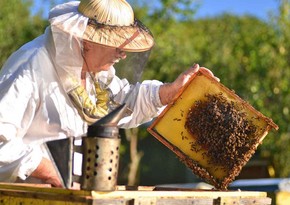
(211, 129)
(34, 194)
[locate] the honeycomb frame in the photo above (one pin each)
(178, 139)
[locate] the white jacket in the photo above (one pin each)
(34, 105)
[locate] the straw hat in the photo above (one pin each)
(111, 23)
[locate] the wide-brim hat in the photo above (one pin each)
(112, 23)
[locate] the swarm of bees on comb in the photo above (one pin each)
(212, 130)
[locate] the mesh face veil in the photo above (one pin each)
(108, 23)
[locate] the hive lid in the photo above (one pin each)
(212, 130)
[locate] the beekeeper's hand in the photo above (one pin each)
(168, 91)
(46, 172)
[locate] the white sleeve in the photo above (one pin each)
(17, 160)
(145, 103)
(17, 107)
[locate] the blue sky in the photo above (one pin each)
(258, 8)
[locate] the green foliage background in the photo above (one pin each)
(17, 26)
(249, 55)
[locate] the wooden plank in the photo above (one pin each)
(242, 201)
(256, 201)
(42, 188)
(17, 194)
(43, 196)
(112, 202)
(209, 194)
(185, 201)
(145, 201)
(227, 201)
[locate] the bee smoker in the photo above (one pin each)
(100, 151)
(100, 154)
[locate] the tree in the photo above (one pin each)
(17, 26)
(278, 148)
(249, 55)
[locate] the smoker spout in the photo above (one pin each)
(106, 127)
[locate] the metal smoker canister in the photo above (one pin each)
(101, 154)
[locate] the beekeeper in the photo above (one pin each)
(59, 83)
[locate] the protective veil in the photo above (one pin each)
(35, 87)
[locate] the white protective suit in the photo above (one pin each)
(34, 105)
